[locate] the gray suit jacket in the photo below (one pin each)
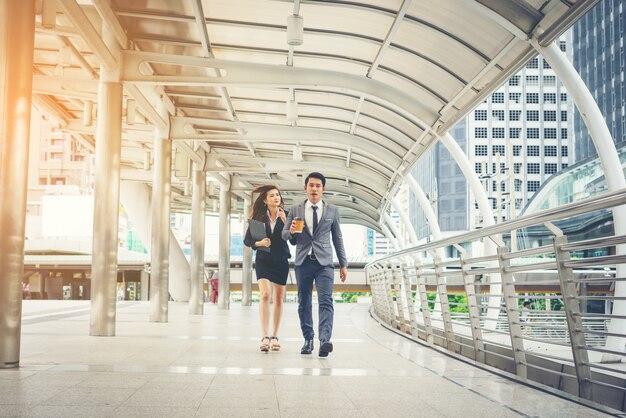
(327, 228)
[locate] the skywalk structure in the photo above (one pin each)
(244, 93)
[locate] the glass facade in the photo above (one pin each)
(598, 55)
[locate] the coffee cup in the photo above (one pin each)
(299, 225)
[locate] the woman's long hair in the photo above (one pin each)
(259, 208)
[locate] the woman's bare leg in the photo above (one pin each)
(279, 296)
(264, 306)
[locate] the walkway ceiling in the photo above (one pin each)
(375, 82)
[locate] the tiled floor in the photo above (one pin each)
(210, 365)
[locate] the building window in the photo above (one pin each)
(517, 168)
(480, 149)
(514, 81)
(514, 132)
(564, 165)
(532, 186)
(515, 97)
(563, 97)
(549, 133)
(532, 80)
(533, 63)
(497, 132)
(494, 170)
(563, 133)
(532, 115)
(549, 151)
(563, 115)
(497, 98)
(480, 133)
(532, 133)
(533, 168)
(549, 115)
(549, 97)
(480, 114)
(478, 168)
(517, 150)
(498, 149)
(498, 114)
(549, 168)
(515, 114)
(562, 45)
(564, 151)
(549, 80)
(532, 150)
(532, 97)
(546, 65)
(494, 187)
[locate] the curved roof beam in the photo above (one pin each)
(247, 74)
(361, 174)
(293, 187)
(181, 125)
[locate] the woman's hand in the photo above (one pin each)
(281, 214)
(265, 242)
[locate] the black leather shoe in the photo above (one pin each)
(307, 348)
(325, 348)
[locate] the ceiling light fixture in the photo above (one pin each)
(295, 30)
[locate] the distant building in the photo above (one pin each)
(599, 58)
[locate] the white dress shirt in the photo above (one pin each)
(308, 214)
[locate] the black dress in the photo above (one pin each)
(274, 265)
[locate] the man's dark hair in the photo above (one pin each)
(315, 175)
(527, 303)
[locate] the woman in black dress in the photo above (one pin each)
(272, 266)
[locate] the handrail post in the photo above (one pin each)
(396, 271)
(421, 289)
(472, 306)
(442, 291)
(512, 311)
(408, 291)
(572, 315)
(388, 283)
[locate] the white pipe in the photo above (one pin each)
(611, 165)
(486, 211)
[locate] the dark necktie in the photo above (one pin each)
(315, 221)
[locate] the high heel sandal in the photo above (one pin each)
(274, 343)
(265, 344)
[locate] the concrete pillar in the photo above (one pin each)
(223, 295)
(246, 281)
(107, 197)
(17, 22)
(198, 214)
(161, 192)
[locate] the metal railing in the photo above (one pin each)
(471, 304)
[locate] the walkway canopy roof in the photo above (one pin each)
(374, 81)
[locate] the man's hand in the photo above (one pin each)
(292, 228)
(343, 274)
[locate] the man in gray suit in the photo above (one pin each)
(314, 260)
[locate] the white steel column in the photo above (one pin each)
(246, 281)
(394, 229)
(424, 203)
(387, 233)
(17, 22)
(161, 191)
(198, 214)
(612, 168)
(106, 196)
(223, 291)
(486, 211)
(404, 217)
